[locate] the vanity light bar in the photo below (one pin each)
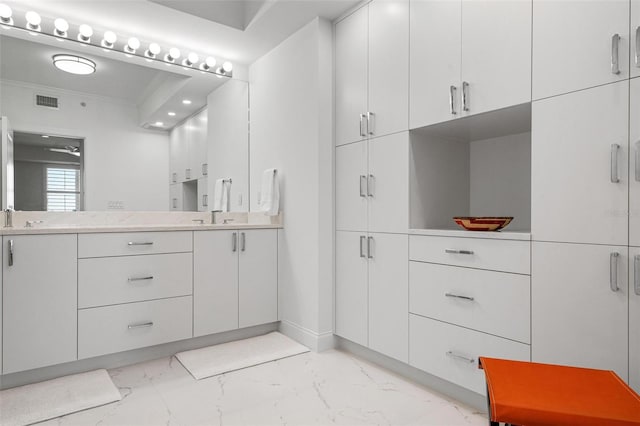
(109, 40)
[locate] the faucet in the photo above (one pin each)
(8, 218)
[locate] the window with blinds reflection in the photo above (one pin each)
(63, 189)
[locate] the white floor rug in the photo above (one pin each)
(218, 359)
(37, 402)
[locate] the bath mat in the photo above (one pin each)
(37, 402)
(218, 359)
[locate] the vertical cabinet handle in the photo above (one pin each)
(615, 148)
(465, 96)
(370, 183)
(243, 241)
(363, 184)
(371, 123)
(205, 169)
(370, 247)
(636, 270)
(637, 47)
(234, 241)
(362, 129)
(174, 177)
(205, 200)
(637, 161)
(362, 240)
(615, 44)
(175, 203)
(452, 99)
(10, 252)
(613, 271)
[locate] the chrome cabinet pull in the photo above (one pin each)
(205, 169)
(174, 203)
(143, 243)
(10, 252)
(363, 183)
(370, 247)
(132, 279)
(452, 99)
(460, 357)
(637, 161)
(174, 177)
(636, 279)
(205, 200)
(140, 325)
(637, 47)
(456, 251)
(362, 240)
(362, 130)
(615, 44)
(615, 149)
(370, 188)
(187, 173)
(371, 123)
(457, 296)
(613, 271)
(234, 241)
(243, 241)
(465, 96)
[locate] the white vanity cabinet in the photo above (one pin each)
(372, 51)
(575, 45)
(468, 57)
(39, 301)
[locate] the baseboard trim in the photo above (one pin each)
(317, 342)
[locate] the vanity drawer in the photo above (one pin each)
(489, 301)
(452, 352)
(496, 255)
(111, 280)
(131, 243)
(117, 328)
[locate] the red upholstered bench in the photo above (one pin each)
(532, 394)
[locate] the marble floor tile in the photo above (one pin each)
(328, 388)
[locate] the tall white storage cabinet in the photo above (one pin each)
(634, 318)
(575, 45)
(39, 301)
(634, 163)
(635, 38)
(372, 51)
(634, 229)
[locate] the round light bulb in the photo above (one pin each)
(154, 48)
(84, 33)
(133, 44)
(61, 26)
(33, 19)
(227, 66)
(174, 53)
(193, 58)
(210, 61)
(5, 14)
(110, 37)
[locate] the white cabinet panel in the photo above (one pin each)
(351, 75)
(39, 301)
(634, 318)
(496, 53)
(258, 277)
(389, 295)
(198, 145)
(388, 66)
(452, 352)
(351, 187)
(435, 49)
(351, 306)
(572, 44)
(215, 282)
(131, 243)
(178, 154)
(573, 196)
(176, 197)
(203, 195)
(576, 317)
(635, 38)
(389, 183)
(634, 163)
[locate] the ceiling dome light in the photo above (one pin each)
(61, 27)
(172, 55)
(84, 33)
(133, 44)
(152, 51)
(227, 67)
(171, 114)
(74, 64)
(190, 60)
(186, 101)
(5, 14)
(159, 123)
(208, 63)
(33, 21)
(109, 39)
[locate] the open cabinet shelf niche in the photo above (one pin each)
(472, 166)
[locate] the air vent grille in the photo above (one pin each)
(47, 101)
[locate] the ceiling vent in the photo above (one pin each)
(47, 101)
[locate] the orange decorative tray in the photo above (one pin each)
(483, 223)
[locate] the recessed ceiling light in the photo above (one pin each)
(186, 101)
(74, 64)
(159, 123)
(171, 114)
(45, 136)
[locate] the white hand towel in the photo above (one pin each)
(270, 194)
(221, 195)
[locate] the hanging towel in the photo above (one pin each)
(221, 195)
(270, 194)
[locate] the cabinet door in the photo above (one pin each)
(351, 76)
(215, 281)
(573, 45)
(351, 187)
(435, 49)
(388, 67)
(635, 39)
(39, 301)
(576, 317)
(258, 274)
(177, 155)
(203, 195)
(634, 319)
(198, 144)
(175, 197)
(634, 163)
(573, 194)
(496, 53)
(388, 183)
(389, 295)
(351, 307)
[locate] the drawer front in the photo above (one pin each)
(119, 328)
(496, 255)
(493, 302)
(452, 352)
(131, 243)
(111, 280)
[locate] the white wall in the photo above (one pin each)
(291, 130)
(123, 162)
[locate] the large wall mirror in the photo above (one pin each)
(130, 136)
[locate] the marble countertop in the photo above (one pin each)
(90, 229)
